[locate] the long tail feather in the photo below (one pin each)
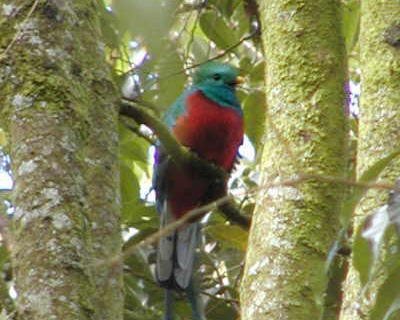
(176, 253)
(196, 303)
(169, 305)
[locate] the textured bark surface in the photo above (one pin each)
(379, 126)
(58, 99)
(294, 224)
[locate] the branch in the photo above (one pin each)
(139, 133)
(179, 154)
(184, 157)
(193, 214)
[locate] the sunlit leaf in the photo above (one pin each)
(172, 78)
(133, 148)
(226, 7)
(362, 257)
(200, 49)
(387, 305)
(254, 108)
(241, 19)
(231, 235)
(378, 230)
(369, 176)
(258, 72)
(351, 22)
(217, 30)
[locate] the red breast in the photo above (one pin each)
(214, 132)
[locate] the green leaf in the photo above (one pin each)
(142, 217)
(254, 108)
(241, 19)
(200, 49)
(226, 7)
(258, 72)
(377, 232)
(231, 235)
(221, 311)
(215, 28)
(351, 22)
(362, 257)
(172, 78)
(246, 64)
(129, 185)
(143, 297)
(369, 176)
(387, 305)
(148, 20)
(133, 149)
(133, 210)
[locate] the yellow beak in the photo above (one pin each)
(239, 80)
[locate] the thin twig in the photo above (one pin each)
(216, 57)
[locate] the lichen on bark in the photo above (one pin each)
(61, 117)
(295, 224)
(379, 127)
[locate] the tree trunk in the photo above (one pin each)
(295, 223)
(379, 125)
(59, 102)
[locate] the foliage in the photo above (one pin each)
(381, 230)
(155, 45)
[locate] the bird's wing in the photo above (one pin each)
(161, 159)
(176, 250)
(177, 108)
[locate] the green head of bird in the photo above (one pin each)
(217, 74)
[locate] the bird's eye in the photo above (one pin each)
(217, 76)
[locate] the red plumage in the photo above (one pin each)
(207, 119)
(215, 133)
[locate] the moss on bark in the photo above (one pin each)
(296, 223)
(379, 125)
(58, 99)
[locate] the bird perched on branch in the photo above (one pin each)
(207, 119)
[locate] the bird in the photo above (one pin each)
(207, 119)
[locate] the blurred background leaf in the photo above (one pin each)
(151, 47)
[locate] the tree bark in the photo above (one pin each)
(295, 223)
(379, 124)
(60, 105)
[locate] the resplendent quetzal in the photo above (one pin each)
(207, 119)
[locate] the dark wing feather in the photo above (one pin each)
(176, 251)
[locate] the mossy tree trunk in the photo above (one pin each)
(379, 124)
(295, 223)
(59, 103)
